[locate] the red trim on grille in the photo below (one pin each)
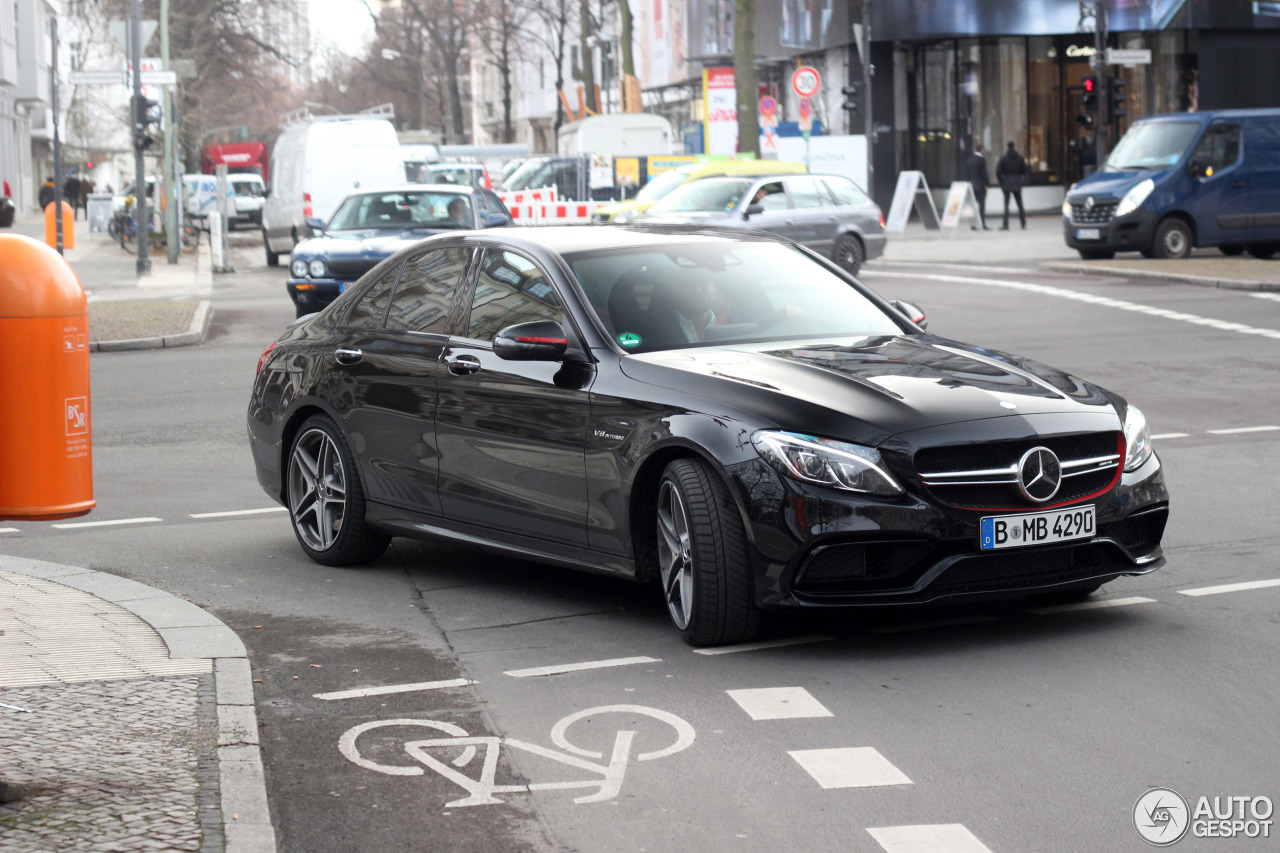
(1119, 472)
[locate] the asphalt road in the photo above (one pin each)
(1020, 730)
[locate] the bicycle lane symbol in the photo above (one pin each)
(481, 790)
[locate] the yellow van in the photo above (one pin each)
(659, 186)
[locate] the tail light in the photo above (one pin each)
(306, 205)
(882, 220)
(262, 359)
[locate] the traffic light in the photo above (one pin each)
(852, 98)
(1089, 99)
(1117, 99)
(146, 112)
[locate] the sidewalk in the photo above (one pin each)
(164, 309)
(129, 722)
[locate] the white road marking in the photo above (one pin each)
(239, 512)
(763, 644)
(392, 688)
(1229, 587)
(967, 267)
(1274, 297)
(537, 671)
(922, 626)
(1164, 435)
(779, 703)
(852, 767)
(935, 838)
(1090, 605)
(9, 530)
(1077, 296)
(1238, 430)
(106, 523)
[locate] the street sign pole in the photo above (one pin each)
(171, 245)
(57, 140)
(870, 128)
(141, 214)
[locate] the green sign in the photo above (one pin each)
(629, 340)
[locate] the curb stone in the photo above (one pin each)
(193, 336)
(1200, 280)
(186, 628)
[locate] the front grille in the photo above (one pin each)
(985, 474)
(1021, 569)
(1099, 213)
(352, 269)
(858, 565)
(1139, 533)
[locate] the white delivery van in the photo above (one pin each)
(317, 162)
(249, 193)
(618, 134)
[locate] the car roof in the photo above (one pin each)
(568, 239)
(743, 168)
(462, 189)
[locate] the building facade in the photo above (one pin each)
(26, 123)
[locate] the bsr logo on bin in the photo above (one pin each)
(77, 415)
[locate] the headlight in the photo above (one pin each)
(1066, 208)
(1137, 440)
(298, 268)
(826, 462)
(1134, 198)
(316, 268)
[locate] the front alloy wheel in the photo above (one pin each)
(674, 557)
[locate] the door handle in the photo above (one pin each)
(342, 355)
(462, 365)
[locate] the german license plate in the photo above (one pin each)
(1088, 234)
(1036, 528)
(342, 287)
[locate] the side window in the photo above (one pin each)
(425, 293)
(808, 193)
(369, 312)
(846, 191)
(496, 207)
(1219, 148)
(510, 289)
(771, 196)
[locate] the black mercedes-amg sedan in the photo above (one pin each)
(727, 413)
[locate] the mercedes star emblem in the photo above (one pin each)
(1039, 474)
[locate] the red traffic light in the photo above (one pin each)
(89, 165)
(1090, 84)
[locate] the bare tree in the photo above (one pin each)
(587, 70)
(554, 33)
(500, 28)
(744, 75)
(447, 23)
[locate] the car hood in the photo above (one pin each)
(365, 243)
(694, 217)
(868, 389)
(613, 208)
(1111, 186)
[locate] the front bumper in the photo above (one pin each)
(1129, 233)
(313, 294)
(817, 547)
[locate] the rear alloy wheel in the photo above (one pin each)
(848, 253)
(326, 500)
(1172, 240)
(702, 557)
(273, 258)
(1263, 251)
(1096, 254)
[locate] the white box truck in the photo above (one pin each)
(619, 134)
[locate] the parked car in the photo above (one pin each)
(369, 226)
(1179, 181)
(660, 186)
(316, 163)
(249, 194)
(826, 213)
(725, 413)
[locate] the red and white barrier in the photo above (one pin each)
(543, 195)
(561, 213)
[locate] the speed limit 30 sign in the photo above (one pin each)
(806, 81)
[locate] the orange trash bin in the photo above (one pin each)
(68, 225)
(46, 459)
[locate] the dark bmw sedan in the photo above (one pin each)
(727, 414)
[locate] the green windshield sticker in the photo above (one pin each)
(629, 340)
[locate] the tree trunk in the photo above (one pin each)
(744, 75)
(628, 59)
(588, 76)
(508, 131)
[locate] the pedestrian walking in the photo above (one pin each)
(47, 193)
(71, 193)
(1011, 172)
(977, 166)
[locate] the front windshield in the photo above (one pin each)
(519, 179)
(707, 294)
(660, 186)
(403, 210)
(703, 196)
(1152, 145)
(449, 175)
(247, 189)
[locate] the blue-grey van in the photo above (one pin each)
(1179, 181)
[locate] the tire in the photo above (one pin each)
(1232, 250)
(273, 258)
(1263, 251)
(702, 557)
(325, 498)
(848, 253)
(1096, 254)
(1172, 240)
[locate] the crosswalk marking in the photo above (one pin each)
(1229, 587)
(932, 838)
(778, 703)
(849, 767)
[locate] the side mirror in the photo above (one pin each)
(541, 340)
(1198, 167)
(495, 220)
(316, 224)
(752, 209)
(913, 313)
